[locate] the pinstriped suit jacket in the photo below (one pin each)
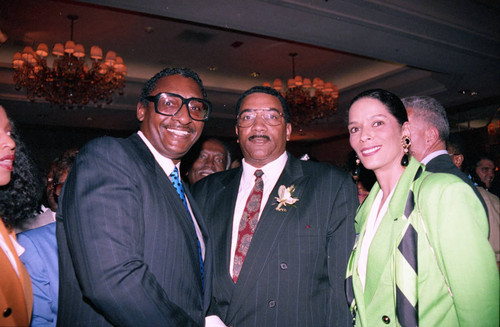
(123, 230)
(293, 274)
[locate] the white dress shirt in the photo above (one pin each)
(272, 172)
(168, 166)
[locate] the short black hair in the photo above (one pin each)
(389, 99)
(186, 72)
(266, 90)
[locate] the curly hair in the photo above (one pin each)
(20, 198)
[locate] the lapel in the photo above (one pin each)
(383, 245)
(360, 227)
(208, 247)
(170, 202)
(222, 221)
(168, 193)
(266, 236)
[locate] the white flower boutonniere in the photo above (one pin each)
(285, 198)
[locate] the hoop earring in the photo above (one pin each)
(357, 170)
(406, 142)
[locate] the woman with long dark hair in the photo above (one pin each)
(422, 255)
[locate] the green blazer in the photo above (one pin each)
(457, 231)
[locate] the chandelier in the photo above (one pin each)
(307, 101)
(70, 81)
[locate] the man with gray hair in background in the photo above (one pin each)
(429, 129)
(214, 156)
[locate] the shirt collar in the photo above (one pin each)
(271, 170)
(433, 155)
(165, 163)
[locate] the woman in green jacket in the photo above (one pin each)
(422, 255)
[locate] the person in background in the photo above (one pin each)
(364, 183)
(456, 152)
(133, 247)
(281, 227)
(40, 244)
(422, 254)
(363, 177)
(214, 156)
(58, 172)
(429, 132)
(16, 297)
(483, 171)
(482, 174)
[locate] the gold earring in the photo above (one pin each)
(357, 170)
(405, 142)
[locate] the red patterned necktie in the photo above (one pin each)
(248, 223)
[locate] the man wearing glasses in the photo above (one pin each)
(126, 225)
(282, 229)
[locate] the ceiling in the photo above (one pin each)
(426, 47)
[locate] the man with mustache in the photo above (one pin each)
(282, 229)
(214, 156)
(133, 249)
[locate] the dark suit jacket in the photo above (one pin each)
(294, 271)
(122, 228)
(443, 164)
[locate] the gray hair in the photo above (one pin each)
(431, 111)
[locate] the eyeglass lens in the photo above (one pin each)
(169, 104)
(248, 117)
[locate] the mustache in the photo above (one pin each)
(259, 136)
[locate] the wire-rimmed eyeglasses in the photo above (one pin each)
(247, 117)
(169, 104)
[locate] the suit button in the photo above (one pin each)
(272, 304)
(283, 266)
(7, 312)
(386, 320)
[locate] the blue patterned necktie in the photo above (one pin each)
(174, 177)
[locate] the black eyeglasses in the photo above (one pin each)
(169, 104)
(247, 117)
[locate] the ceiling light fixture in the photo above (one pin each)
(307, 101)
(70, 82)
